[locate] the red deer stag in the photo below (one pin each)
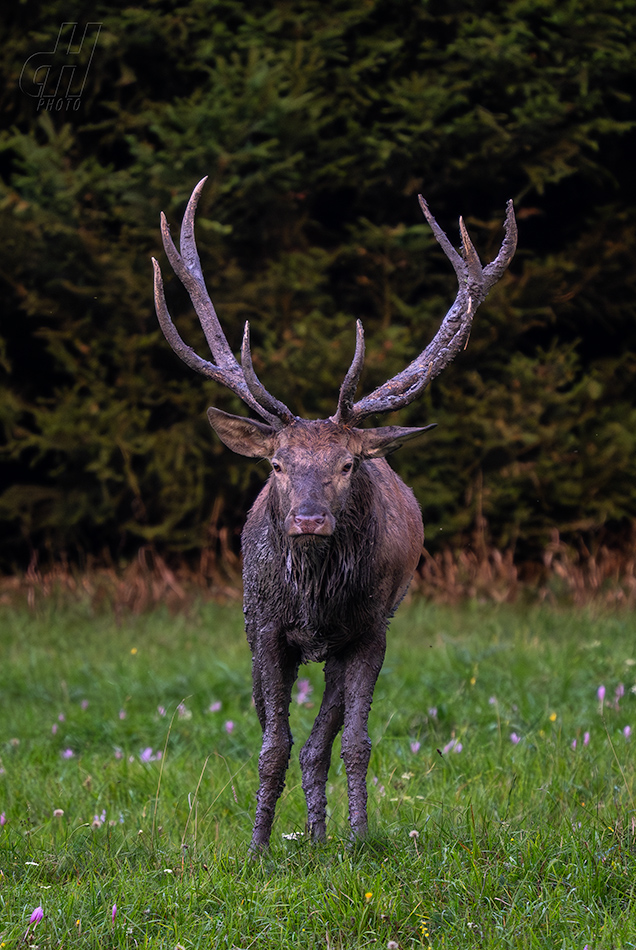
(333, 539)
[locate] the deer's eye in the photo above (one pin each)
(277, 466)
(347, 467)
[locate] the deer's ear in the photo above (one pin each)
(376, 443)
(243, 436)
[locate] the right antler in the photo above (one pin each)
(240, 379)
(474, 283)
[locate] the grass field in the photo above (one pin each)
(501, 788)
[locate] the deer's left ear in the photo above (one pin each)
(376, 443)
(243, 436)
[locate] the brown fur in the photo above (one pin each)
(325, 594)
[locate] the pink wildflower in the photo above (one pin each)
(229, 726)
(36, 916)
(305, 689)
(215, 706)
(600, 695)
(147, 755)
(415, 747)
(453, 746)
(3, 819)
(627, 731)
(514, 738)
(84, 705)
(68, 754)
(114, 913)
(586, 738)
(161, 710)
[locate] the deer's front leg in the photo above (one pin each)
(315, 755)
(363, 664)
(274, 671)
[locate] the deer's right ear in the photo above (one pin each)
(243, 436)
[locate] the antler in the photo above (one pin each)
(474, 283)
(240, 379)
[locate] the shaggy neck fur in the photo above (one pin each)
(321, 570)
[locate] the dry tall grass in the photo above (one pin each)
(566, 574)
(143, 583)
(604, 574)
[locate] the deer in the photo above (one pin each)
(335, 536)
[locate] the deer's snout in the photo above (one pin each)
(310, 519)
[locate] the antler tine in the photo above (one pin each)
(281, 413)
(471, 262)
(442, 239)
(494, 270)
(187, 267)
(227, 376)
(183, 351)
(227, 370)
(351, 380)
(474, 283)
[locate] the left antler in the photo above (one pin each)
(240, 379)
(474, 283)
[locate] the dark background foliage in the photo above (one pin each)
(318, 124)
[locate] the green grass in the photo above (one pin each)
(528, 843)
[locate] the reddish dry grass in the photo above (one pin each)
(451, 576)
(143, 583)
(573, 574)
(578, 575)
(603, 573)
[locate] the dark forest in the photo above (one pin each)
(318, 125)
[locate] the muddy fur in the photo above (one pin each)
(327, 599)
(321, 588)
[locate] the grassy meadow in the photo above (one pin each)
(501, 787)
